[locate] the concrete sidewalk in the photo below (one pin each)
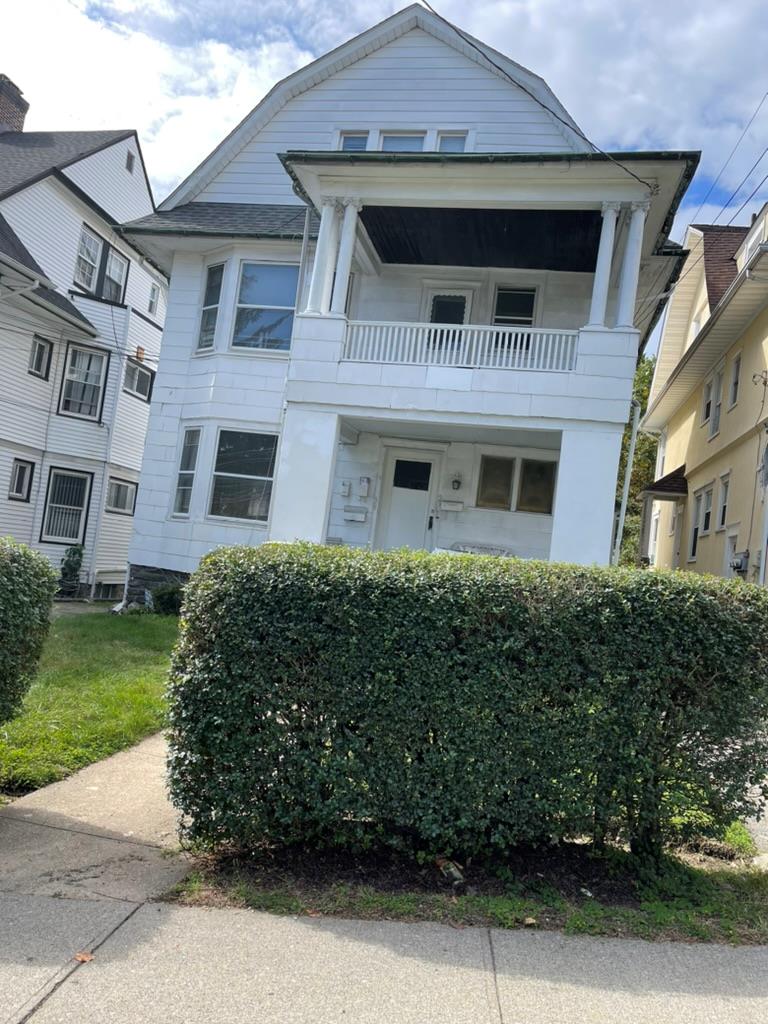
(80, 862)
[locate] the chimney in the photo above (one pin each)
(13, 106)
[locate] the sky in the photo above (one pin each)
(635, 74)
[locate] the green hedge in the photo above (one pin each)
(461, 704)
(27, 587)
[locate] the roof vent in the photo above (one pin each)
(13, 106)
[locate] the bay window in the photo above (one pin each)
(243, 474)
(210, 311)
(186, 475)
(266, 300)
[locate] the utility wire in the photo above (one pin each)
(568, 124)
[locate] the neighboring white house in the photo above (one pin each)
(406, 304)
(81, 314)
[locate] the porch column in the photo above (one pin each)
(324, 255)
(304, 475)
(630, 267)
(585, 496)
(603, 265)
(329, 268)
(346, 250)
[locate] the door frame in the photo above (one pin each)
(390, 452)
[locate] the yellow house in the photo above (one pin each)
(707, 509)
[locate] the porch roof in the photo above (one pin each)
(670, 487)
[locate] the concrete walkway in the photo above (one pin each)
(81, 860)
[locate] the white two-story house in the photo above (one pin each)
(407, 299)
(81, 315)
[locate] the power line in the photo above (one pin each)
(568, 124)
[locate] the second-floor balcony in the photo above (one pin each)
(474, 346)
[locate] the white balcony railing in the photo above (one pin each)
(503, 348)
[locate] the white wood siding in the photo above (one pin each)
(415, 82)
(105, 178)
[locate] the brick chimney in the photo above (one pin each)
(13, 106)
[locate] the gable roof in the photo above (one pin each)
(414, 16)
(13, 247)
(720, 246)
(26, 157)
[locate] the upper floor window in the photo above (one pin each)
(514, 306)
(88, 259)
(115, 274)
(451, 142)
(210, 311)
(40, 357)
(154, 298)
(242, 475)
(733, 391)
(138, 380)
(186, 475)
(21, 480)
(130, 161)
(722, 509)
(266, 300)
(354, 142)
(402, 142)
(100, 268)
(83, 386)
(712, 403)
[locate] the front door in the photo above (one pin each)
(406, 516)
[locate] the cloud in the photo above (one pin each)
(639, 74)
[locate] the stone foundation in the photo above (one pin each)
(142, 578)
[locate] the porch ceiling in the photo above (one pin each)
(525, 239)
(548, 440)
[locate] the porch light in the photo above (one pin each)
(456, 482)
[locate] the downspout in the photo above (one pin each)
(627, 477)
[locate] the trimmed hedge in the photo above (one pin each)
(27, 587)
(459, 705)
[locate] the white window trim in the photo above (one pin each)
(502, 286)
(737, 359)
(114, 254)
(114, 509)
(424, 134)
(716, 399)
(25, 494)
(725, 483)
(49, 539)
(183, 429)
(250, 524)
(154, 298)
(698, 498)
(449, 133)
(262, 353)
(357, 132)
(708, 489)
(47, 344)
(207, 267)
(86, 230)
(142, 369)
(102, 383)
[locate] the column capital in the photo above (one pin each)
(352, 201)
(640, 204)
(330, 201)
(613, 205)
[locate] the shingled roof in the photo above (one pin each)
(26, 157)
(12, 246)
(720, 245)
(673, 485)
(245, 220)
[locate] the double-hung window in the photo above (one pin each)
(187, 466)
(717, 403)
(733, 391)
(138, 380)
(210, 311)
(21, 480)
(451, 142)
(66, 506)
(121, 496)
(521, 485)
(83, 386)
(266, 300)
(154, 299)
(698, 503)
(88, 259)
(242, 475)
(722, 507)
(115, 274)
(514, 307)
(40, 357)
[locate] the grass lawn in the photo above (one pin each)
(695, 899)
(100, 688)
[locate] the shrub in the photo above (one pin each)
(461, 705)
(167, 598)
(27, 586)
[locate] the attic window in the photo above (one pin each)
(402, 142)
(130, 160)
(354, 142)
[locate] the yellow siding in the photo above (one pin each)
(734, 451)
